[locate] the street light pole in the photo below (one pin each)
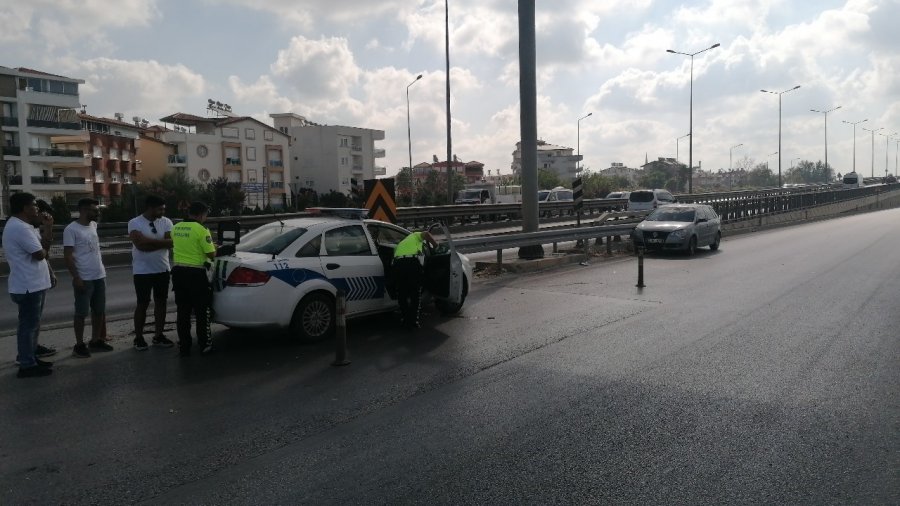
(873, 146)
(854, 138)
(579, 136)
(825, 113)
(779, 93)
(676, 145)
(408, 134)
(729, 153)
(887, 148)
(449, 138)
(691, 113)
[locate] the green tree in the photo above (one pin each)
(433, 191)
(654, 178)
(223, 197)
(334, 199)
(547, 179)
(405, 187)
(61, 213)
(761, 177)
(808, 172)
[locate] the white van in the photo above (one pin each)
(648, 200)
(853, 180)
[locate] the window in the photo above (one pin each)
(268, 135)
(345, 142)
(230, 132)
(251, 153)
(203, 175)
(270, 239)
(312, 248)
(386, 236)
(343, 160)
(284, 130)
(249, 133)
(347, 241)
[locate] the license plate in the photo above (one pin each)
(655, 241)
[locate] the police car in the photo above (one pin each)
(287, 274)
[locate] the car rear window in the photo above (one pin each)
(270, 239)
(641, 197)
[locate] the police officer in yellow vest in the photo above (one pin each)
(193, 252)
(408, 271)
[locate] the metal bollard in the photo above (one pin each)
(340, 330)
(640, 283)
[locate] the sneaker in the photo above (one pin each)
(34, 372)
(44, 351)
(140, 344)
(207, 350)
(81, 351)
(163, 342)
(43, 363)
(100, 346)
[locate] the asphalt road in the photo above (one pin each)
(767, 372)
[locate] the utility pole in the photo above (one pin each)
(449, 141)
(528, 125)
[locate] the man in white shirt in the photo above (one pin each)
(26, 251)
(150, 235)
(81, 247)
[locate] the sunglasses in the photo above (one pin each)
(153, 227)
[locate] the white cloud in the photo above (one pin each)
(145, 88)
(317, 69)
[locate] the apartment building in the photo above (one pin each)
(239, 148)
(472, 172)
(326, 158)
(557, 159)
(35, 108)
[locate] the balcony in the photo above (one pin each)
(357, 168)
(276, 184)
(12, 151)
(39, 123)
(378, 153)
(66, 153)
(9, 121)
(177, 160)
(276, 163)
(232, 161)
(127, 179)
(380, 171)
(356, 147)
(15, 180)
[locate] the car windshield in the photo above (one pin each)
(614, 195)
(672, 215)
(564, 195)
(543, 194)
(641, 197)
(270, 239)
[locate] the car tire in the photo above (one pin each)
(692, 246)
(314, 318)
(715, 244)
(448, 309)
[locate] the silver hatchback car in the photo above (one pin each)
(683, 227)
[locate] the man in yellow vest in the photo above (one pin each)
(408, 269)
(193, 252)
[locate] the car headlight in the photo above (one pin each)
(677, 234)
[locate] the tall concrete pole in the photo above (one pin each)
(528, 124)
(449, 139)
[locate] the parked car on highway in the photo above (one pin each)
(648, 200)
(286, 274)
(618, 195)
(558, 194)
(684, 227)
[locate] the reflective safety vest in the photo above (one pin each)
(412, 246)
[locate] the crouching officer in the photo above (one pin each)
(408, 270)
(193, 251)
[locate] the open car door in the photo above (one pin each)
(444, 273)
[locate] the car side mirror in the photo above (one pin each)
(702, 220)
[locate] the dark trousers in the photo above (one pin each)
(408, 273)
(193, 296)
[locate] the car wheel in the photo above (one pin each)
(715, 245)
(692, 246)
(314, 318)
(448, 309)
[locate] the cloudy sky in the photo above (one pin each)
(349, 61)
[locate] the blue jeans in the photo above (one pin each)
(31, 305)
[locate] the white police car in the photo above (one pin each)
(286, 274)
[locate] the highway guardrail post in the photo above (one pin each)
(340, 328)
(640, 283)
